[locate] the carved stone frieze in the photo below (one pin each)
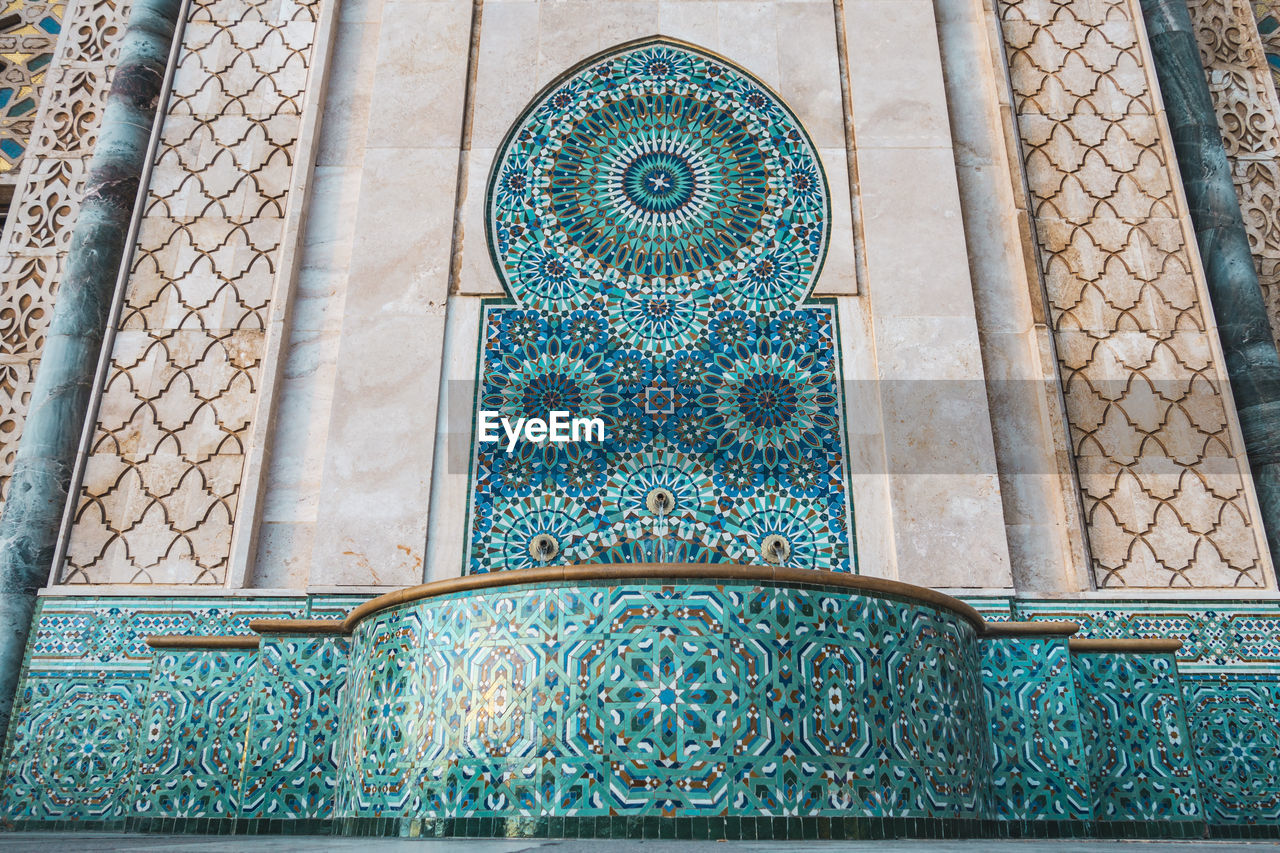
(163, 475)
(48, 184)
(1163, 489)
(1235, 38)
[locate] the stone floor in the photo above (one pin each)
(90, 843)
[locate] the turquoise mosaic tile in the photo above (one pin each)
(1234, 722)
(659, 219)
(1237, 635)
(290, 769)
(386, 721)
(1228, 669)
(1038, 769)
(994, 608)
(333, 606)
(596, 703)
(87, 670)
(649, 699)
(78, 632)
(1140, 758)
(71, 748)
(191, 747)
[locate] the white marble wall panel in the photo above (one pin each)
(451, 486)
(374, 499)
(944, 509)
(47, 188)
(1042, 521)
(391, 501)
(295, 471)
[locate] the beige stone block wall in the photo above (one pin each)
(295, 464)
(1040, 498)
(354, 485)
(394, 355)
(940, 515)
(373, 501)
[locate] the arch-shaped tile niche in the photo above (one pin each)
(658, 218)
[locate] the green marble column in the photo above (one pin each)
(51, 435)
(1252, 361)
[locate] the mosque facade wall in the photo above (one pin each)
(970, 256)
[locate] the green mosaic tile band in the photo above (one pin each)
(663, 828)
(530, 711)
(1038, 761)
(694, 699)
(290, 768)
(1237, 636)
(1136, 746)
(1229, 672)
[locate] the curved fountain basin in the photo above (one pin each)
(663, 690)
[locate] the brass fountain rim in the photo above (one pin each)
(620, 573)
(624, 572)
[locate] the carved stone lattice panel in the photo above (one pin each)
(48, 186)
(163, 475)
(1163, 489)
(1240, 47)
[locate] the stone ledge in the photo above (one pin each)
(669, 571)
(1124, 646)
(297, 626)
(169, 641)
(1046, 628)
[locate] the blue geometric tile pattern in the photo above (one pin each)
(70, 752)
(192, 743)
(1234, 722)
(1038, 770)
(290, 768)
(71, 746)
(1140, 759)
(111, 632)
(716, 699)
(1237, 635)
(657, 170)
(384, 712)
(659, 218)
(696, 699)
(1228, 670)
(992, 608)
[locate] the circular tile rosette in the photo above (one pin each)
(658, 170)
